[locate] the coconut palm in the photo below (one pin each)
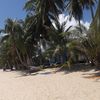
(76, 7)
(44, 7)
(15, 36)
(94, 37)
(95, 25)
(40, 13)
(43, 11)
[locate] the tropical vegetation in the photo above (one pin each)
(40, 39)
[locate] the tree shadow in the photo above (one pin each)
(80, 67)
(45, 73)
(93, 75)
(25, 74)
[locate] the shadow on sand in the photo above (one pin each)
(93, 75)
(75, 68)
(24, 73)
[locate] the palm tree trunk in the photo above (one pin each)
(29, 61)
(18, 54)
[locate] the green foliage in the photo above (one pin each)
(24, 40)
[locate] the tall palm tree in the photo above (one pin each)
(15, 37)
(76, 7)
(94, 36)
(45, 7)
(95, 25)
(89, 4)
(40, 13)
(44, 10)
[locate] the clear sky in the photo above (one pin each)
(11, 9)
(14, 9)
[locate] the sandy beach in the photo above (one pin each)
(45, 85)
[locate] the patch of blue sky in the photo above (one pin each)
(11, 9)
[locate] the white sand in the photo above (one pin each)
(48, 86)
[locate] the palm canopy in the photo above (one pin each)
(45, 6)
(76, 7)
(40, 12)
(95, 25)
(12, 27)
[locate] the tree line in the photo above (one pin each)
(36, 41)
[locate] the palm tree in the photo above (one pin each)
(76, 7)
(44, 7)
(5, 53)
(43, 11)
(40, 13)
(15, 36)
(95, 25)
(94, 37)
(57, 41)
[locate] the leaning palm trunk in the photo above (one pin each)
(18, 54)
(29, 60)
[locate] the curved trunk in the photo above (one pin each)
(20, 59)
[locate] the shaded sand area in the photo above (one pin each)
(45, 85)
